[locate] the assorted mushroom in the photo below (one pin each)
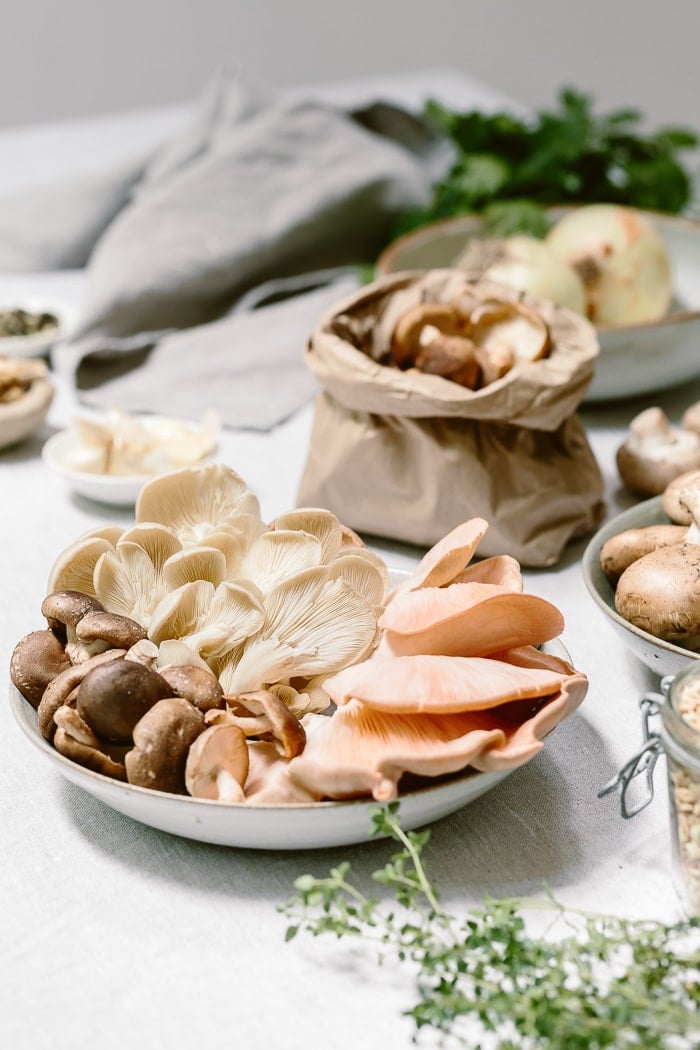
(470, 341)
(208, 652)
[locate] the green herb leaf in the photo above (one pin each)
(597, 981)
(567, 155)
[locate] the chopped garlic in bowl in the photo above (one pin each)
(110, 458)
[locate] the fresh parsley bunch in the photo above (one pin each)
(509, 168)
(595, 981)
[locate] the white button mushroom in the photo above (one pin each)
(655, 452)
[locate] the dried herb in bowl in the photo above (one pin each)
(18, 322)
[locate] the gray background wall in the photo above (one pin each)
(63, 58)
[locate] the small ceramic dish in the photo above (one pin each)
(252, 825)
(37, 343)
(661, 657)
(634, 359)
(20, 418)
(115, 489)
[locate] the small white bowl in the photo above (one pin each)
(120, 490)
(38, 344)
(633, 359)
(117, 490)
(661, 657)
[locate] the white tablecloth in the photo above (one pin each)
(114, 934)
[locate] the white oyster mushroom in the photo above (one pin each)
(192, 564)
(314, 624)
(174, 653)
(74, 568)
(158, 542)
(196, 501)
(364, 575)
(301, 703)
(209, 620)
(232, 543)
(317, 522)
(130, 580)
(278, 555)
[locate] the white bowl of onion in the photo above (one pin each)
(648, 340)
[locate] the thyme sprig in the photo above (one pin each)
(590, 981)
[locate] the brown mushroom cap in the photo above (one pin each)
(66, 608)
(279, 722)
(409, 331)
(691, 418)
(195, 684)
(217, 764)
(117, 631)
(659, 594)
(113, 698)
(36, 660)
(59, 688)
(626, 547)
(162, 738)
(451, 357)
(671, 502)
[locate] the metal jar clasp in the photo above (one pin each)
(644, 761)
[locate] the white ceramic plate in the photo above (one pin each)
(633, 360)
(661, 657)
(114, 489)
(255, 826)
(38, 344)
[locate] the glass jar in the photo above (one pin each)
(680, 739)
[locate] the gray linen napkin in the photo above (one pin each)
(248, 366)
(55, 226)
(255, 187)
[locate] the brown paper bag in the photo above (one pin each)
(407, 456)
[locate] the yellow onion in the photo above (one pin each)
(529, 265)
(621, 259)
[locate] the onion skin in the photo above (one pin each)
(529, 265)
(622, 260)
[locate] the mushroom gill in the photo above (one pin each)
(277, 555)
(195, 501)
(209, 620)
(363, 575)
(439, 684)
(317, 522)
(361, 750)
(466, 619)
(448, 557)
(501, 569)
(314, 624)
(192, 564)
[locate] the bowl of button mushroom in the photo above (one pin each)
(641, 569)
